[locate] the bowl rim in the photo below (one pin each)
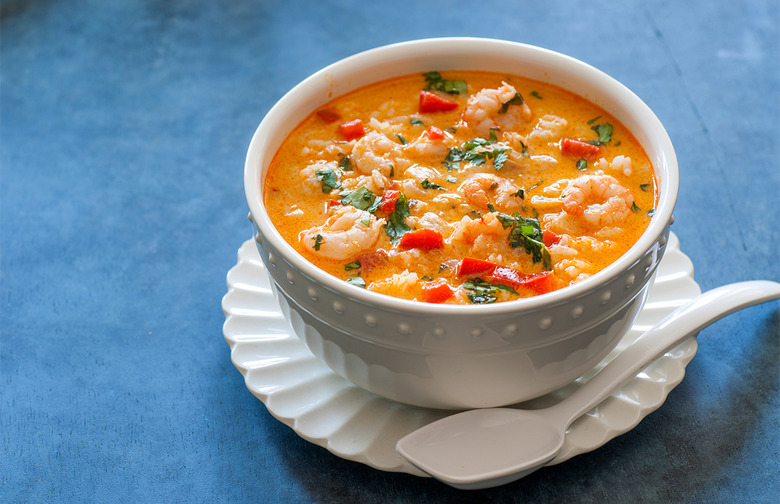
(665, 168)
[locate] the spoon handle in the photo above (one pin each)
(683, 322)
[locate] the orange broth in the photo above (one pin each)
(486, 195)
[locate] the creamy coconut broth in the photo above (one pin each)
(460, 187)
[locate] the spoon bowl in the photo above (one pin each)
(490, 447)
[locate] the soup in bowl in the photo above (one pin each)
(458, 223)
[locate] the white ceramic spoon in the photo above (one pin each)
(483, 448)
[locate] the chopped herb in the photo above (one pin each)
(536, 185)
(517, 99)
(500, 158)
(519, 193)
(525, 149)
(651, 212)
(594, 119)
(430, 185)
(330, 179)
(536, 95)
(634, 207)
(492, 138)
(352, 266)
(362, 199)
(416, 122)
(345, 164)
(427, 278)
(402, 139)
(604, 130)
(392, 171)
(317, 241)
(474, 152)
(436, 82)
(645, 187)
(451, 130)
(582, 165)
(357, 281)
(526, 233)
(451, 179)
(443, 267)
(396, 222)
(483, 292)
(451, 161)
(491, 208)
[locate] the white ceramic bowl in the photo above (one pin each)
(455, 356)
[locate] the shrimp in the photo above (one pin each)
(483, 189)
(375, 151)
(345, 235)
(424, 148)
(375, 182)
(548, 128)
(484, 238)
(413, 180)
(468, 230)
(599, 199)
(494, 108)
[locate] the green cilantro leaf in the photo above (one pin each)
(526, 233)
(396, 222)
(484, 292)
(317, 242)
(582, 165)
(345, 163)
(426, 184)
(604, 131)
(330, 179)
(517, 99)
(362, 199)
(352, 266)
(436, 82)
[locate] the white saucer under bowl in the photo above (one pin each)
(325, 409)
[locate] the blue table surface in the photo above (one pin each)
(123, 131)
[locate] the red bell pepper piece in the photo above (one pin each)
(352, 129)
(436, 292)
(424, 239)
(579, 149)
(435, 133)
(470, 266)
(328, 115)
(507, 276)
(541, 283)
(430, 102)
(550, 238)
(389, 197)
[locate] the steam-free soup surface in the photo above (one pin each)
(460, 187)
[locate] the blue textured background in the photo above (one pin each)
(123, 130)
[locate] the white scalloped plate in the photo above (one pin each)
(354, 424)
